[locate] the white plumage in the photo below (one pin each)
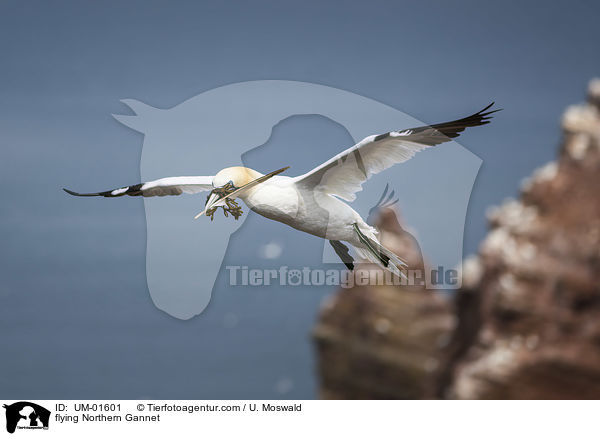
(313, 202)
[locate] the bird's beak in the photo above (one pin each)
(214, 200)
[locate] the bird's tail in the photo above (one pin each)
(371, 250)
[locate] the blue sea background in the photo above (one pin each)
(76, 318)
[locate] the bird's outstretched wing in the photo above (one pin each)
(160, 187)
(343, 174)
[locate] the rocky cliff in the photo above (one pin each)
(381, 342)
(537, 280)
(526, 323)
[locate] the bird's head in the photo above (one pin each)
(236, 176)
(232, 182)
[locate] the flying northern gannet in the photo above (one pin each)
(313, 202)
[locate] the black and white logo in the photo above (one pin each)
(26, 415)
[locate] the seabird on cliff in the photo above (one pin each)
(315, 202)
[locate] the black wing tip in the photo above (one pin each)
(483, 112)
(477, 119)
(75, 194)
(133, 190)
(78, 194)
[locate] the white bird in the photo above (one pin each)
(315, 202)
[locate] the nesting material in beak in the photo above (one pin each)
(222, 197)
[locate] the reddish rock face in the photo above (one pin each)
(536, 281)
(377, 342)
(528, 314)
